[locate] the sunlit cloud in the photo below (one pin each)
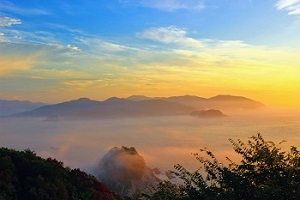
(73, 48)
(84, 83)
(9, 65)
(97, 67)
(169, 35)
(292, 6)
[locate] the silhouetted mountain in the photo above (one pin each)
(139, 106)
(222, 102)
(111, 108)
(138, 98)
(179, 99)
(68, 108)
(211, 113)
(237, 102)
(185, 98)
(8, 107)
(194, 101)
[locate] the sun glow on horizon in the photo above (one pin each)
(54, 61)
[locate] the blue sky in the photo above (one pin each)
(253, 21)
(138, 43)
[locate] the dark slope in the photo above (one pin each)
(62, 109)
(23, 175)
(211, 113)
(111, 108)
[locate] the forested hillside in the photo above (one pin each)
(23, 175)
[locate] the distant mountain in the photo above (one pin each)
(179, 99)
(186, 98)
(138, 98)
(64, 109)
(111, 108)
(221, 102)
(195, 101)
(9, 107)
(233, 102)
(211, 113)
(138, 106)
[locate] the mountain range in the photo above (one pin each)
(9, 107)
(137, 106)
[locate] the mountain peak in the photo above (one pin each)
(227, 97)
(81, 100)
(84, 99)
(186, 97)
(138, 98)
(114, 99)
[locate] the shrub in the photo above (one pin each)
(264, 172)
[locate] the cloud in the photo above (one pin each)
(167, 5)
(53, 61)
(82, 84)
(95, 65)
(99, 45)
(2, 37)
(169, 35)
(125, 171)
(8, 6)
(73, 48)
(172, 5)
(27, 37)
(8, 21)
(9, 65)
(292, 6)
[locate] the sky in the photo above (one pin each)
(53, 51)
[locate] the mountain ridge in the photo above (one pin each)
(111, 108)
(9, 107)
(139, 106)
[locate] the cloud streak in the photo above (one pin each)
(92, 66)
(10, 65)
(167, 5)
(292, 6)
(169, 35)
(8, 6)
(8, 21)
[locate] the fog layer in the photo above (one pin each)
(162, 141)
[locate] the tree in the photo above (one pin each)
(264, 172)
(24, 175)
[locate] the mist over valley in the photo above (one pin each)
(163, 137)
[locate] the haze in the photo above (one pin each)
(162, 141)
(87, 51)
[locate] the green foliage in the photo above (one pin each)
(23, 175)
(265, 172)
